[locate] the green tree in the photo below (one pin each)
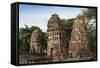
(24, 39)
(90, 14)
(68, 23)
(91, 35)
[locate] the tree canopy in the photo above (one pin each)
(90, 14)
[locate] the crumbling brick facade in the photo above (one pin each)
(78, 46)
(56, 38)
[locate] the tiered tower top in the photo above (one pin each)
(55, 23)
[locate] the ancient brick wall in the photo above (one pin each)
(78, 46)
(35, 43)
(56, 38)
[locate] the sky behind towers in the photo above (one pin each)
(38, 15)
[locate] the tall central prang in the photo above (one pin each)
(56, 38)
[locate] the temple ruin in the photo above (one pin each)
(57, 48)
(35, 43)
(78, 46)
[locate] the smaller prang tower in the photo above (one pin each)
(56, 48)
(35, 43)
(78, 46)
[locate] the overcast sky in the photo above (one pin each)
(37, 15)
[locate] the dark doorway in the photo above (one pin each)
(51, 53)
